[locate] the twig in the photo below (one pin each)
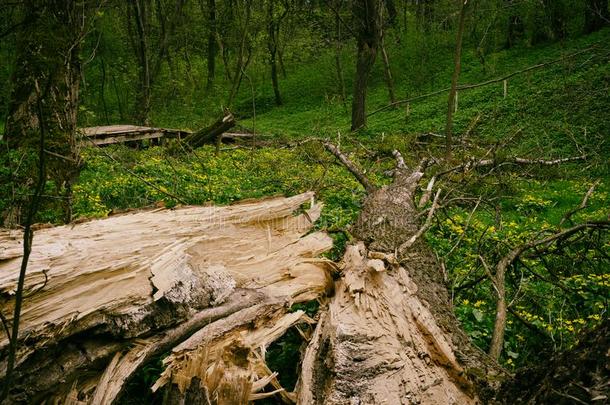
(465, 228)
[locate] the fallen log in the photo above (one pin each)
(389, 334)
(212, 134)
(106, 296)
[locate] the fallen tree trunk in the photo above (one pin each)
(213, 133)
(389, 334)
(104, 297)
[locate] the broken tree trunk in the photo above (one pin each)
(213, 283)
(389, 334)
(213, 133)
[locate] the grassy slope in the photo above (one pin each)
(547, 103)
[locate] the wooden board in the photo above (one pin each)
(110, 134)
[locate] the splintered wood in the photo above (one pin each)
(379, 343)
(213, 283)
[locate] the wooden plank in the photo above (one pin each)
(110, 134)
(125, 138)
(115, 129)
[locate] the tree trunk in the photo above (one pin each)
(143, 99)
(105, 297)
(242, 60)
(368, 27)
(213, 133)
(49, 71)
(454, 79)
(338, 62)
(273, 28)
(213, 287)
(389, 334)
(212, 48)
(103, 91)
(389, 79)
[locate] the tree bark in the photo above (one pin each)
(48, 70)
(368, 29)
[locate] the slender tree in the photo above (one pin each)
(338, 48)
(273, 38)
(244, 52)
(212, 46)
(457, 60)
(150, 62)
(387, 70)
(367, 26)
(140, 10)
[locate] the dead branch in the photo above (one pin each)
(212, 134)
(497, 341)
(424, 227)
(474, 164)
(400, 161)
(427, 193)
(359, 175)
(582, 205)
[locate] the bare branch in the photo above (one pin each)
(497, 340)
(424, 228)
(359, 175)
(486, 83)
(473, 163)
(582, 205)
(427, 193)
(400, 161)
